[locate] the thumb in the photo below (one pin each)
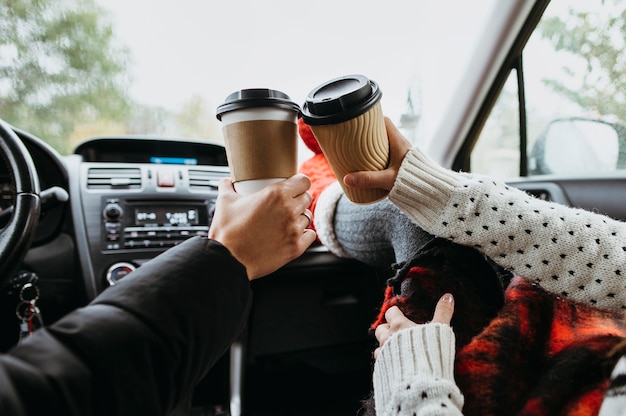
(370, 179)
(444, 309)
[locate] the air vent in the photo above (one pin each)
(201, 179)
(114, 178)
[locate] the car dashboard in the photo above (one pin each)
(131, 198)
(138, 197)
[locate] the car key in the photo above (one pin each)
(27, 311)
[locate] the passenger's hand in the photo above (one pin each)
(396, 320)
(267, 229)
(384, 179)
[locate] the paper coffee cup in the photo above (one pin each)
(346, 118)
(260, 136)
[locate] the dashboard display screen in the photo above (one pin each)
(174, 160)
(171, 215)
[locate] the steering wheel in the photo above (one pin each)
(17, 236)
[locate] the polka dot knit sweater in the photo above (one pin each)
(569, 252)
(572, 253)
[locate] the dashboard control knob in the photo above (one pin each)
(112, 212)
(119, 270)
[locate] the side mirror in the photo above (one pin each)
(578, 146)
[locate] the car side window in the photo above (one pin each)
(574, 70)
(496, 152)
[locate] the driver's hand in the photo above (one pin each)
(266, 229)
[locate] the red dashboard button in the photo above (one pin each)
(166, 178)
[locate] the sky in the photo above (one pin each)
(210, 48)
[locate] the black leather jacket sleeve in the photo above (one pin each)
(140, 347)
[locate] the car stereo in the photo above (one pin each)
(143, 224)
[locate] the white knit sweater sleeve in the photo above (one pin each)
(614, 402)
(414, 373)
(570, 252)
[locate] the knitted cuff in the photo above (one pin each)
(424, 351)
(324, 219)
(421, 179)
(615, 398)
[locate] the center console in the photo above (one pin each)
(139, 198)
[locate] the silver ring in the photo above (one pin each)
(308, 216)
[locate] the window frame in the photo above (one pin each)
(512, 62)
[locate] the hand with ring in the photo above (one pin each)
(266, 229)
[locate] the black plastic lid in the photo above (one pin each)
(256, 97)
(340, 99)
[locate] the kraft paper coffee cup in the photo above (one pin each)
(260, 136)
(346, 118)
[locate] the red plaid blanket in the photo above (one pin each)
(520, 351)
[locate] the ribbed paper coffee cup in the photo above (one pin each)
(346, 117)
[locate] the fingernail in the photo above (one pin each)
(447, 298)
(348, 180)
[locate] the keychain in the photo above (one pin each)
(27, 311)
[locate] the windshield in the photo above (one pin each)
(170, 64)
